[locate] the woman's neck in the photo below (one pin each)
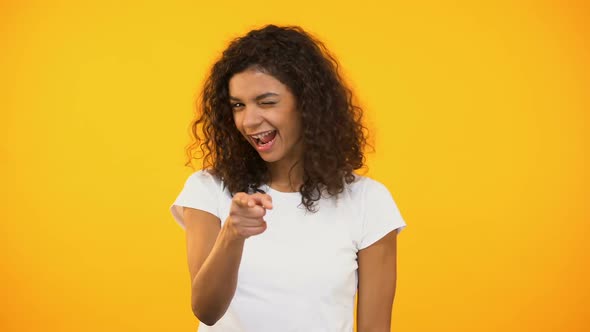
(286, 178)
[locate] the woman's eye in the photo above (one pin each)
(268, 103)
(236, 105)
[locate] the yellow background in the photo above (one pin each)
(479, 112)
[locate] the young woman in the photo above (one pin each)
(281, 233)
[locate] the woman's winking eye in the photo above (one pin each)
(237, 105)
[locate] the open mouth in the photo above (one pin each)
(265, 138)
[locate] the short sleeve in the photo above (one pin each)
(380, 214)
(201, 191)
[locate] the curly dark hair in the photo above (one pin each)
(334, 137)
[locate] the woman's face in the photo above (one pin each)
(265, 113)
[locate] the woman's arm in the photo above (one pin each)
(377, 280)
(214, 252)
(213, 259)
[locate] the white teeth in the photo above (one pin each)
(260, 136)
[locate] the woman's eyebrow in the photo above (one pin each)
(262, 96)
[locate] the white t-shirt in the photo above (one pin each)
(301, 274)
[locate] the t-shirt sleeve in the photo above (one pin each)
(380, 214)
(201, 191)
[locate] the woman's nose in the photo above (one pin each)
(251, 117)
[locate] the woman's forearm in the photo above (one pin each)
(215, 284)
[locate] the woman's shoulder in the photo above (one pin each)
(364, 188)
(362, 182)
(206, 177)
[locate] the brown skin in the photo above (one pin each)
(377, 281)
(214, 252)
(261, 103)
